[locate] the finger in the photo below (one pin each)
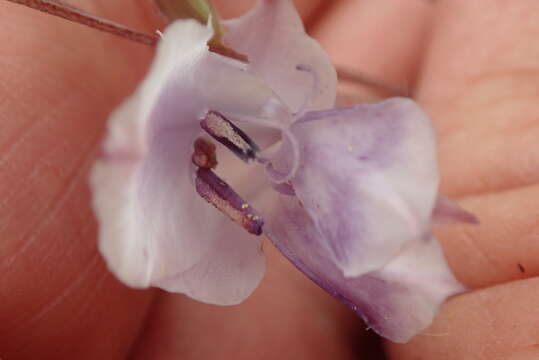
(384, 39)
(59, 82)
(484, 110)
(480, 83)
(477, 82)
(140, 15)
(231, 9)
(287, 317)
(494, 323)
(503, 247)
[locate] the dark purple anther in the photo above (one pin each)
(219, 194)
(228, 134)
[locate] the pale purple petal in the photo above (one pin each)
(368, 179)
(447, 212)
(228, 273)
(154, 229)
(283, 165)
(273, 38)
(398, 301)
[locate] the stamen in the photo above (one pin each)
(229, 135)
(204, 155)
(218, 193)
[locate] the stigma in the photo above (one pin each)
(204, 155)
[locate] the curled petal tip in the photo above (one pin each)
(447, 212)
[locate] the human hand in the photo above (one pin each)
(473, 74)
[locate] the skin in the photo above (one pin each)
(471, 64)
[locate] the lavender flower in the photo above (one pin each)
(349, 196)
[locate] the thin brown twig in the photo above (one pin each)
(365, 79)
(71, 13)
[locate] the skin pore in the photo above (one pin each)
(472, 65)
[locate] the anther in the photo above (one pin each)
(228, 134)
(204, 155)
(218, 193)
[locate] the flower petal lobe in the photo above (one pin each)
(368, 179)
(154, 228)
(397, 301)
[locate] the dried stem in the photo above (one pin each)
(71, 13)
(365, 79)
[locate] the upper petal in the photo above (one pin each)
(397, 301)
(154, 229)
(273, 38)
(368, 178)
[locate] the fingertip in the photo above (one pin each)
(231, 9)
(500, 322)
(384, 39)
